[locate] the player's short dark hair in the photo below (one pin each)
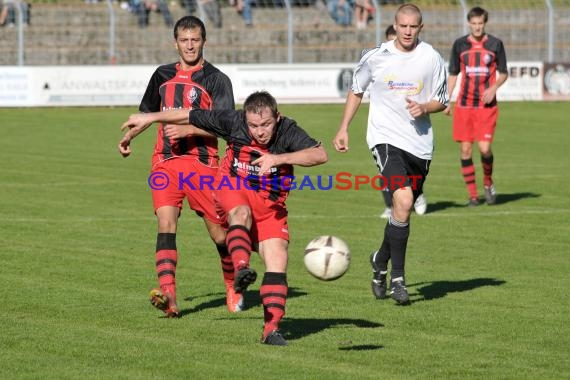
(190, 22)
(478, 12)
(390, 31)
(258, 101)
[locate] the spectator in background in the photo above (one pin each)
(189, 6)
(320, 8)
(210, 7)
(363, 12)
(9, 15)
(390, 32)
(3, 13)
(142, 9)
(243, 7)
(341, 11)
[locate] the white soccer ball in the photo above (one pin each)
(327, 257)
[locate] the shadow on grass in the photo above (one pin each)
(362, 347)
(439, 289)
(251, 297)
(439, 206)
(297, 328)
(501, 199)
(293, 328)
(506, 198)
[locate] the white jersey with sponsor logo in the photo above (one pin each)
(390, 76)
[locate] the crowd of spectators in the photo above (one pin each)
(343, 12)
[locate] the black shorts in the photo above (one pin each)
(399, 168)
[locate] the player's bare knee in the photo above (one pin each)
(466, 149)
(404, 205)
(240, 215)
(485, 151)
(166, 225)
(403, 201)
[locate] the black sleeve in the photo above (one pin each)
(294, 138)
(218, 122)
(152, 101)
(501, 58)
(454, 64)
(151, 98)
(223, 93)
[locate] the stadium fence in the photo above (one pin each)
(284, 31)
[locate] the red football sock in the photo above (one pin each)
(166, 259)
(227, 264)
(273, 292)
(487, 170)
(238, 242)
(468, 172)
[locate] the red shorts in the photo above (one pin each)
(269, 218)
(172, 180)
(474, 124)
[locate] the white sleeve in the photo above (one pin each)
(440, 81)
(362, 77)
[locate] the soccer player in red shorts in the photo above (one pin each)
(190, 83)
(478, 56)
(252, 188)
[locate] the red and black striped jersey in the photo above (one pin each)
(242, 149)
(170, 87)
(478, 62)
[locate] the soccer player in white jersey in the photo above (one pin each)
(406, 80)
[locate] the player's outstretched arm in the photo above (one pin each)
(313, 156)
(139, 120)
(181, 131)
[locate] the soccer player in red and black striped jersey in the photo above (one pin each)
(250, 191)
(478, 56)
(190, 83)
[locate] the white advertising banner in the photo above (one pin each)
(73, 85)
(16, 86)
(524, 83)
(32, 86)
(296, 83)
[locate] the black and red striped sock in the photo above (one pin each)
(166, 258)
(487, 163)
(227, 264)
(468, 172)
(273, 292)
(238, 242)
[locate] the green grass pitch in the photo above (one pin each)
(489, 286)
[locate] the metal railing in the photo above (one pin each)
(542, 44)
